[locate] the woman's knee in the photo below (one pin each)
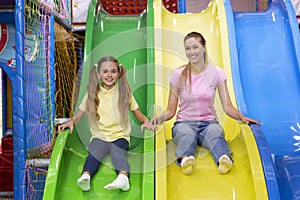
(214, 130)
(183, 130)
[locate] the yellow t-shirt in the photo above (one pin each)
(110, 126)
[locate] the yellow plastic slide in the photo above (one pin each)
(246, 178)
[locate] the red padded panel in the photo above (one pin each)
(6, 160)
(7, 144)
(124, 7)
(171, 5)
(6, 179)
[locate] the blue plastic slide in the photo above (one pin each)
(265, 55)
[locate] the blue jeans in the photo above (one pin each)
(98, 149)
(209, 134)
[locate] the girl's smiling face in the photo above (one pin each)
(108, 74)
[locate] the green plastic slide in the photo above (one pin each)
(130, 40)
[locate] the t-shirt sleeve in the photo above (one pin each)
(82, 105)
(174, 77)
(222, 75)
(133, 104)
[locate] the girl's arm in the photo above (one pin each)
(70, 124)
(143, 120)
(171, 109)
(228, 108)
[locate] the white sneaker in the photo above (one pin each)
(187, 165)
(121, 182)
(225, 164)
(84, 182)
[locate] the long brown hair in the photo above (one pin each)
(186, 73)
(93, 89)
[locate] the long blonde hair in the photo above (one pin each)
(186, 73)
(93, 89)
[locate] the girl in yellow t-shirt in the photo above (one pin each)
(106, 105)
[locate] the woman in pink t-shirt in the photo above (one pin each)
(194, 85)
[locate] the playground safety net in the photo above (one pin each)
(39, 103)
(44, 100)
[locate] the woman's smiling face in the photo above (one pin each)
(194, 50)
(108, 74)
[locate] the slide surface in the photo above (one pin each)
(124, 37)
(246, 178)
(266, 69)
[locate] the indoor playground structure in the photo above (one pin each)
(48, 46)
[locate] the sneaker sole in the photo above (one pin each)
(225, 165)
(84, 185)
(187, 168)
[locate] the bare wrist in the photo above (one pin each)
(241, 117)
(161, 118)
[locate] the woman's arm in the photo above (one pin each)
(70, 124)
(228, 108)
(171, 108)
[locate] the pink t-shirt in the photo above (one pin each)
(198, 104)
